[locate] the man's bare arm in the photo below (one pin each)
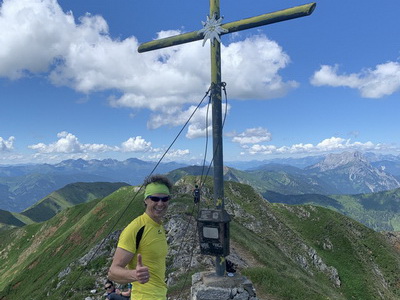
(120, 274)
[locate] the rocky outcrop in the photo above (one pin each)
(353, 173)
(394, 238)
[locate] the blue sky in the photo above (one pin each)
(72, 84)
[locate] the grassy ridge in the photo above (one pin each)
(35, 254)
(379, 211)
(277, 275)
(367, 265)
(9, 219)
(68, 196)
(365, 261)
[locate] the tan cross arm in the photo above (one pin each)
(265, 19)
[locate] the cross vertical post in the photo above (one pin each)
(216, 100)
(212, 30)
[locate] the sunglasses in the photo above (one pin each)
(157, 199)
(108, 287)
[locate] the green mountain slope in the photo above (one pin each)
(289, 252)
(278, 178)
(19, 192)
(32, 256)
(8, 219)
(379, 211)
(68, 196)
(289, 180)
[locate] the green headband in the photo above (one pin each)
(155, 188)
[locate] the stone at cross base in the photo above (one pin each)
(209, 286)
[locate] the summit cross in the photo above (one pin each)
(212, 30)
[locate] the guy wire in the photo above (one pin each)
(206, 146)
(193, 242)
(184, 235)
(137, 192)
(223, 85)
(202, 183)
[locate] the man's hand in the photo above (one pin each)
(142, 272)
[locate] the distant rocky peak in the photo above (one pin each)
(333, 161)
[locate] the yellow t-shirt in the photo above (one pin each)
(153, 248)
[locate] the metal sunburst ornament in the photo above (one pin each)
(212, 29)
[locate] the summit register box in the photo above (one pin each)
(213, 228)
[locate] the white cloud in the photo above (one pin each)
(33, 34)
(328, 145)
(201, 123)
(372, 83)
(6, 144)
(176, 116)
(198, 130)
(171, 155)
(251, 67)
(39, 38)
(68, 146)
(135, 144)
(252, 136)
(333, 143)
(169, 78)
(69, 143)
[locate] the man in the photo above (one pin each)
(115, 294)
(145, 266)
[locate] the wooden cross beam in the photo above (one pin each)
(265, 19)
(212, 30)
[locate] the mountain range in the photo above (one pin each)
(335, 174)
(288, 252)
(353, 173)
(22, 186)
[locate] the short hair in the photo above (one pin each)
(110, 282)
(158, 179)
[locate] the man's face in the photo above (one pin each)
(156, 208)
(109, 288)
